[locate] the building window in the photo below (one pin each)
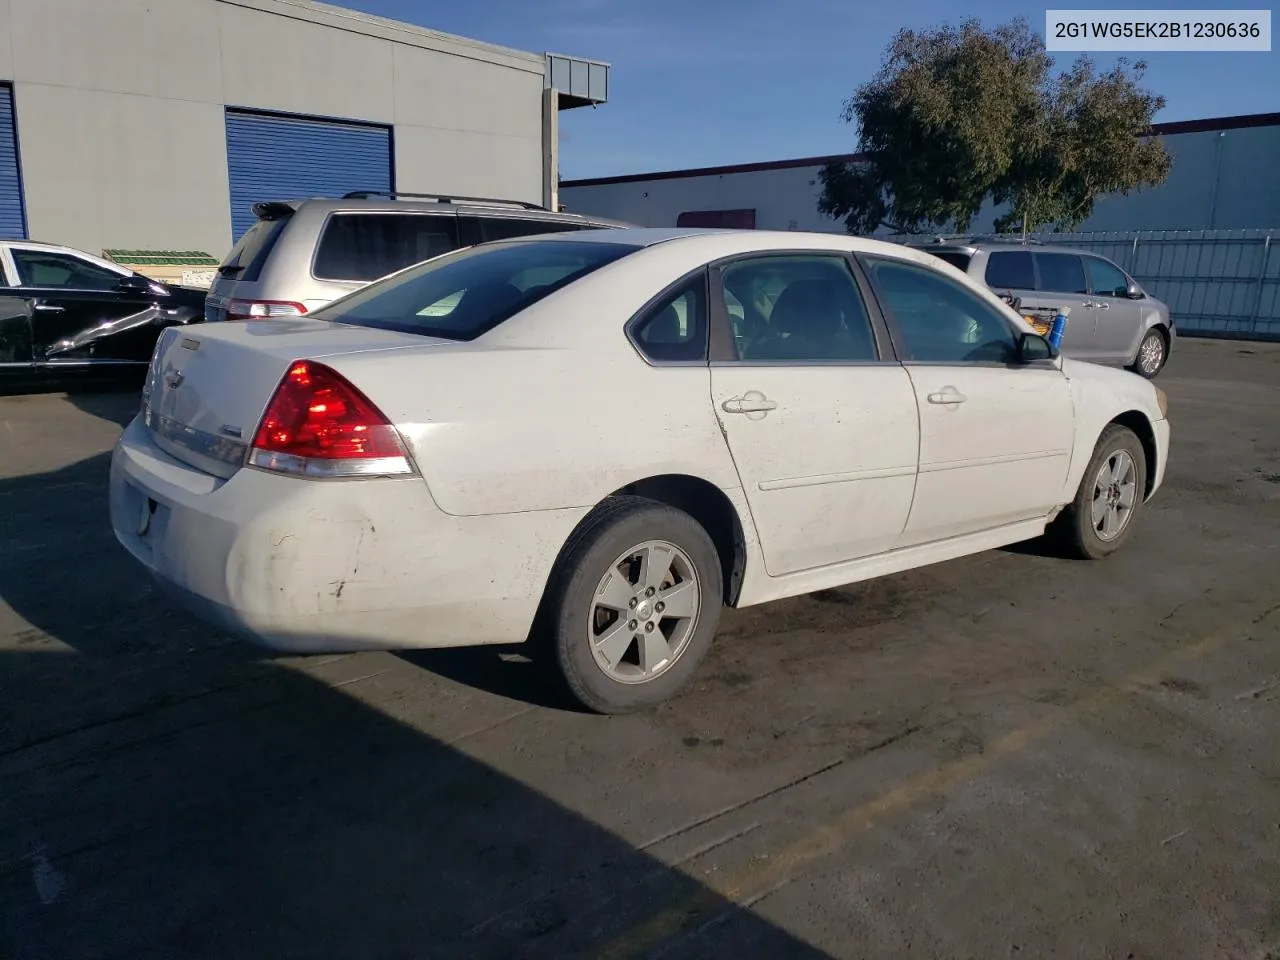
(718, 219)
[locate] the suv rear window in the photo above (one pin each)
(246, 258)
(465, 294)
(366, 246)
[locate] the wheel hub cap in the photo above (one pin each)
(1115, 493)
(644, 612)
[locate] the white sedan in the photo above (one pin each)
(594, 441)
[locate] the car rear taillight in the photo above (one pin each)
(319, 425)
(263, 309)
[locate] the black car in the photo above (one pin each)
(66, 312)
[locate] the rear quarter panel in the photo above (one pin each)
(511, 430)
(554, 409)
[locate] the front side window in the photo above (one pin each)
(366, 246)
(1106, 279)
(939, 320)
(470, 291)
(1010, 270)
(675, 329)
(1061, 273)
(41, 268)
(798, 308)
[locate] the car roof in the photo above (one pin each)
(442, 203)
(973, 246)
(715, 242)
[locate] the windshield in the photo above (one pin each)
(461, 295)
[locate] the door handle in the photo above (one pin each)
(1102, 306)
(947, 395)
(751, 402)
(48, 308)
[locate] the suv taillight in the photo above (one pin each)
(319, 425)
(263, 309)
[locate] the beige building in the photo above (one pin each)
(154, 124)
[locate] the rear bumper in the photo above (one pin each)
(311, 566)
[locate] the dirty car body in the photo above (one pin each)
(596, 440)
(64, 311)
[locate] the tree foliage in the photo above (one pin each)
(960, 115)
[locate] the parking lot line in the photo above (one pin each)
(752, 881)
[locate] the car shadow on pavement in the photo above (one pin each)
(169, 792)
(116, 402)
(506, 671)
(103, 390)
(273, 815)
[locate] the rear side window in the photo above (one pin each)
(956, 258)
(465, 294)
(246, 258)
(1061, 273)
(484, 229)
(675, 329)
(1011, 269)
(366, 246)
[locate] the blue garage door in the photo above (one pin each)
(12, 222)
(289, 158)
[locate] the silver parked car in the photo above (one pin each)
(1112, 319)
(303, 254)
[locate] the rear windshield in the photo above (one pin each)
(464, 294)
(246, 258)
(366, 246)
(954, 257)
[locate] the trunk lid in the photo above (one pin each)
(209, 384)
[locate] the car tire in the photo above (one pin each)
(1153, 354)
(604, 628)
(1097, 523)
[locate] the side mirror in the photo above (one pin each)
(135, 284)
(1033, 348)
(1134, 292)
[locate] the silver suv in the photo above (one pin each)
(1112, 319)
(303, 254)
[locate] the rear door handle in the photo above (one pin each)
(1102, 306)
(947, 395)
(48, 308)
(751, 402)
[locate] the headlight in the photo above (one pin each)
(1162, 401)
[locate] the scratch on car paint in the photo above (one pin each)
(337, 594)
(48, 880)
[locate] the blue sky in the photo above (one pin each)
(705, 82)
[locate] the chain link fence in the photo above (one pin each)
(1217, 283)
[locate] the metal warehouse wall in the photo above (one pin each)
(120, 108)
(784, 199)
(1221, 179)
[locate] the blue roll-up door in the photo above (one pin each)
(291, 158)
(13, 223)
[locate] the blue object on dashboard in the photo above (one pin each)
(1058, 328)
